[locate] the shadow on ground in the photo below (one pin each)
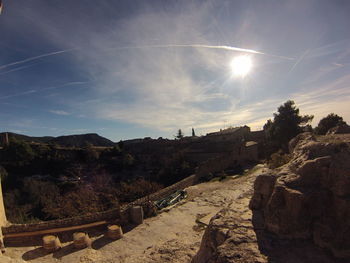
(64, 251)
(68, 249)
(35, 254)
(280, 250)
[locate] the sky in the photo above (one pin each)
(133, 69)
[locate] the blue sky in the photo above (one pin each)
(126, 69)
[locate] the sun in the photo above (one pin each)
(241, 66)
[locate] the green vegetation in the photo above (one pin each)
(287, 123)
(328, 122)
(19, 152)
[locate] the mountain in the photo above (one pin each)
(79, 140)
(82, 140)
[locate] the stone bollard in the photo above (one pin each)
(114, 232)
(51, 243)
(81, 240)
(136, 214)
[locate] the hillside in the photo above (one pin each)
(82, 140)
(78, 140)
(43, 139)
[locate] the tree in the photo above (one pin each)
(330, 121)
(287, 123)
(193, 134)
(179, 134)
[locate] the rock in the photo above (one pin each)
(263, 187)
(309, 197)
(341, 129)
(229, 238)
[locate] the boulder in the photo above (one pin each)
(309, 197)
(229, 238)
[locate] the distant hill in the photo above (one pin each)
(82, 140)
(79, 140)
(44, 139)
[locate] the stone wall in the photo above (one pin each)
(74, 221)
(240, 155)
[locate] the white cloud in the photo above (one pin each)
(60, 112)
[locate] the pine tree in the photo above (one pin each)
(287, 123)
(179, 135)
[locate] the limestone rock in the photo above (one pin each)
(309, 198)
(229, 238)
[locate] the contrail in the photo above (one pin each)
(43, 89)
(299, 60)
(36, 57)
(19, 94)
(19, 68)
(229, 48)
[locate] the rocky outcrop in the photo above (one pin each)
(309, 198)
(341, 129)
(229, 238)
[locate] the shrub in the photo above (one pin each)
(278, 159)
(332, 120)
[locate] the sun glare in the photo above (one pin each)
(241, 66)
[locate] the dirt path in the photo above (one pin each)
(173, 236)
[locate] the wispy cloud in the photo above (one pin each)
(28, 92)
(60, 112)
(35, 58)
(17, 69)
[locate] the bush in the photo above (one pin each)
(130, 191)
(278, 159)
(19, 152)
(332, 120)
